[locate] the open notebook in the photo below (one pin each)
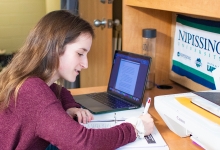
(154, 141)
(125, 88)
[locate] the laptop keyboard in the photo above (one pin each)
(109, 100)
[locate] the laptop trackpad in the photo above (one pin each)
(91, 104)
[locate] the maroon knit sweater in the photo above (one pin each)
(39, 118)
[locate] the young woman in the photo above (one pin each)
(34, 111)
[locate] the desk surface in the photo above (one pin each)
(174, 141)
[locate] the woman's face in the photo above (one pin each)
(74, 58)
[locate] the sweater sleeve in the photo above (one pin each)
(54, 125)
(65, 97)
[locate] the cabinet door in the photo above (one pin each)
(100, 55)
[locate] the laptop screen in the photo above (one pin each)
(128, 76)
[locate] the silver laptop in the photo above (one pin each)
(126, 85)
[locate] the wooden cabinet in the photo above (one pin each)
(159, 14)
(208, 8)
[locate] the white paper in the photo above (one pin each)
(158, 144)
(216, 76)
(101, 125)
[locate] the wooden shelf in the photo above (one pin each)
(161, 15)
(207, 8)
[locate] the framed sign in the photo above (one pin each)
(196, 52)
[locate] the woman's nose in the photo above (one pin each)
(84, 63)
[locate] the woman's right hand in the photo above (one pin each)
(148, 123)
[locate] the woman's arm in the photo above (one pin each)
(55, 126)
(72, 108)
(65, 97)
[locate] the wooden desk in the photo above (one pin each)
(174, 141)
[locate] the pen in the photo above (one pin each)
(147, 105)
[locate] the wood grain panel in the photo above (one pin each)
(134, 20)
(100, 55)
(209, 8)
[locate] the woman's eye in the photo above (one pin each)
(80, 54)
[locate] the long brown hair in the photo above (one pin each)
(39, 56)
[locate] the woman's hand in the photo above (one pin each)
(148, 123)
(83, 115)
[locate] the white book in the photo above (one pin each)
(209, 101)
